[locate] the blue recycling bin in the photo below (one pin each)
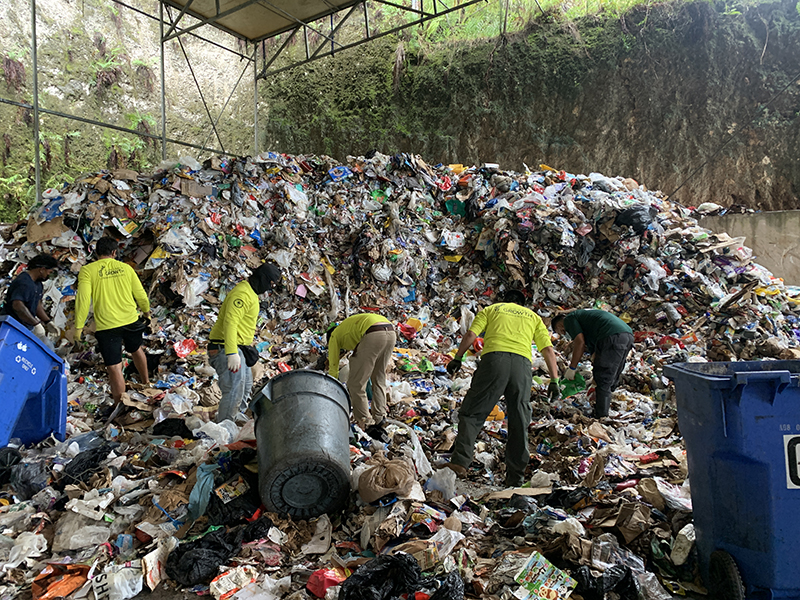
(33, 386)
(741, 425)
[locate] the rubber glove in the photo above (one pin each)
(570, 373)
(554, 390)
(50, 328)
(454, 366)
(234, 363)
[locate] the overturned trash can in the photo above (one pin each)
(741, 425)
(302, 430)
(33, 386)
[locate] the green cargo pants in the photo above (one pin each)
(498, 374)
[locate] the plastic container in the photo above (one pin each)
(302, 431)
(33, 386)
(741, 424)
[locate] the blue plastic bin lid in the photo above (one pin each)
(728, 375)
(8, 321)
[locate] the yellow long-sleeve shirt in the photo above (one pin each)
(114, 290)
(510, 328)
(347, 336)
(238, 316)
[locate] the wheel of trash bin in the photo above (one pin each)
(8, 458)
(306, 490)
(724, 578)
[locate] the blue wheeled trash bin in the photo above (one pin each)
(741, 425)
(33, 386)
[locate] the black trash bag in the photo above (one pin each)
(472, 207)
(389, 577)
(525, 503)
(9, 458)
(197, 562)
(638, 217)
(618, 579)
(81, 468)
(257, 530)
(383, 578)
(172, 427)
(451, 588)
(28, 478)
(236, 511)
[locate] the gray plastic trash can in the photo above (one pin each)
(302, 431)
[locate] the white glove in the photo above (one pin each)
(51, 328)
(570, 373)
(234, 363)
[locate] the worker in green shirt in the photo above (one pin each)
(607, 338)
(505, 370)
(114, 291)
(372, 338)
(231, 338)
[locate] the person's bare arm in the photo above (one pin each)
(578, 348)
(42, 314)
(466, 342)
(549, 356)
(23, 313)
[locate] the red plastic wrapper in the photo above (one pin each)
(477, 345)
(407, 331)
(283, 367)
(648, 458)
(626, 484)
(185, 347)
(321, 580)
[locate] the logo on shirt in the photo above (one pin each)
(238, 303)
(110, 270)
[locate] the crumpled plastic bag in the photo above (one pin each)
(386, 477)
(387, 577)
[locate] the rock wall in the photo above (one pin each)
(651, 95)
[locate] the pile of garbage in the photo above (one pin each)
(164, 496)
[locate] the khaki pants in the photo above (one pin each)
(370, 360)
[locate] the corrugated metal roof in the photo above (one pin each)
(255, 20)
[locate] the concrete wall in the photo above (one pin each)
(773, 236)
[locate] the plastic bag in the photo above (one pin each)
(201, 492)
(74, 532)
(27, 478)
(387, 577)
(443, 480)
(222, 433)
(637, 217)
(27, 545)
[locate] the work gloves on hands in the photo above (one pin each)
(569, 374)
(454, 366)
(50, 328)
(554, 390)
(234, 363)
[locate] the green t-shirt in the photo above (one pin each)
(595, 325)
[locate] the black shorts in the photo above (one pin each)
(109, 342)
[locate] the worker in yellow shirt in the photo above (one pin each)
(114, 291)
(505, 370)
(231, 338)
(372, 338)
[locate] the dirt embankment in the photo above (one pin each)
(651, 95)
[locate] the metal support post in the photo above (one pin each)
(255, 100)
(36, 153)
(163, 86)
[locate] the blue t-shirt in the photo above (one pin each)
(28, 291)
